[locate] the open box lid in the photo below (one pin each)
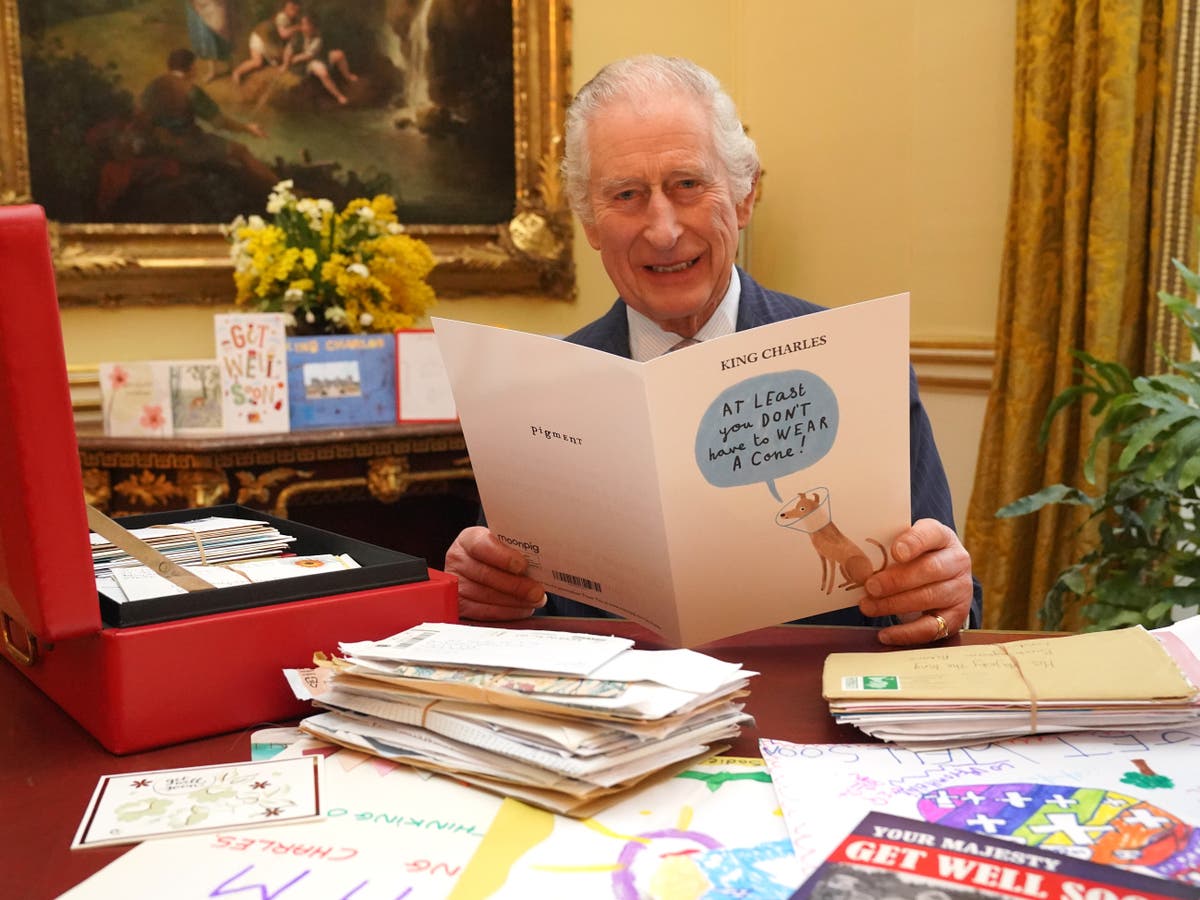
(47, 584)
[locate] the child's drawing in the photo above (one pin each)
(1084, 822)
(1129, 799)
(713, 831)
(811, 513)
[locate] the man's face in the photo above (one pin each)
(665, 221)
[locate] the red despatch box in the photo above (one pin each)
(149, 685)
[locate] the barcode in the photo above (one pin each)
(410, 637)
(578, 581)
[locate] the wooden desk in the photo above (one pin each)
(49, 766)
(407, 487)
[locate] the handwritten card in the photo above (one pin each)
(134, 806)
(252, 354)
(1127, 798)
(341, 380)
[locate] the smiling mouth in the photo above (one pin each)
(677, 267)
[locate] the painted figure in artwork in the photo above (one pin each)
(209, 33)
(174, 106)
(270, 40)
(319, 62)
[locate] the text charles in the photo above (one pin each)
(774, 352)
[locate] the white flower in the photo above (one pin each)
(358, 269)
(395, 228)
(289, 321)
(293, 296)
(313, 211)
(310, 317)
(281, 196)
(325, 205)
(365, 320)
(335, 314)
(256, 222)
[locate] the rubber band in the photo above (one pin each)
(195, 537)
(1028, 686)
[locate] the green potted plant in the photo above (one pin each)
(1142, 567)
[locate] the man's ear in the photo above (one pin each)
(746, 206)
(593, 234)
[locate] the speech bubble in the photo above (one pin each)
(766, 427)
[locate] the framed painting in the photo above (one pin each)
(144, 126)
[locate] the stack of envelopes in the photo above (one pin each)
(209, 540)
(564, 721)
(940, 697)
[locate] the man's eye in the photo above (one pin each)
(626, 195)
(688, 183)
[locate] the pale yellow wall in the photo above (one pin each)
(884, 127)
(885, 130)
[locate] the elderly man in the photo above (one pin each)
(662, 176)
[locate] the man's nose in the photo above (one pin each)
(662, 224)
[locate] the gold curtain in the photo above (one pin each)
(1099, 133)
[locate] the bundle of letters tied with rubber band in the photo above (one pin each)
(565, 721)
(939, 697)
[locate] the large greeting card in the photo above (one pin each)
(746, 481)
(252, 353)
(341, 380)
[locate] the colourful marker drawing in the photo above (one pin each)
(714, 780)
(1145, 777)
(1126, 798)
(712, 831)
(1086, 823)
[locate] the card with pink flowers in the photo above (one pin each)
(135, 399)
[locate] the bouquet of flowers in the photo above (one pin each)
(331, 272)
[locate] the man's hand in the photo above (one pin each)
(930, 576)
(491, 578)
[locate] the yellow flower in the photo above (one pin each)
(354, 270)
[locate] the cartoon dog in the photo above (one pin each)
(835, 549)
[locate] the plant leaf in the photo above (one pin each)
(1055, 493)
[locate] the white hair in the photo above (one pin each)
(642, 76)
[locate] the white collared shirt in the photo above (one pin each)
(647, 340)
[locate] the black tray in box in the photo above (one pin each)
(380, 567)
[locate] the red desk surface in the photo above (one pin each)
(49, 765)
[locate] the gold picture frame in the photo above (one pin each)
(150, 264)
